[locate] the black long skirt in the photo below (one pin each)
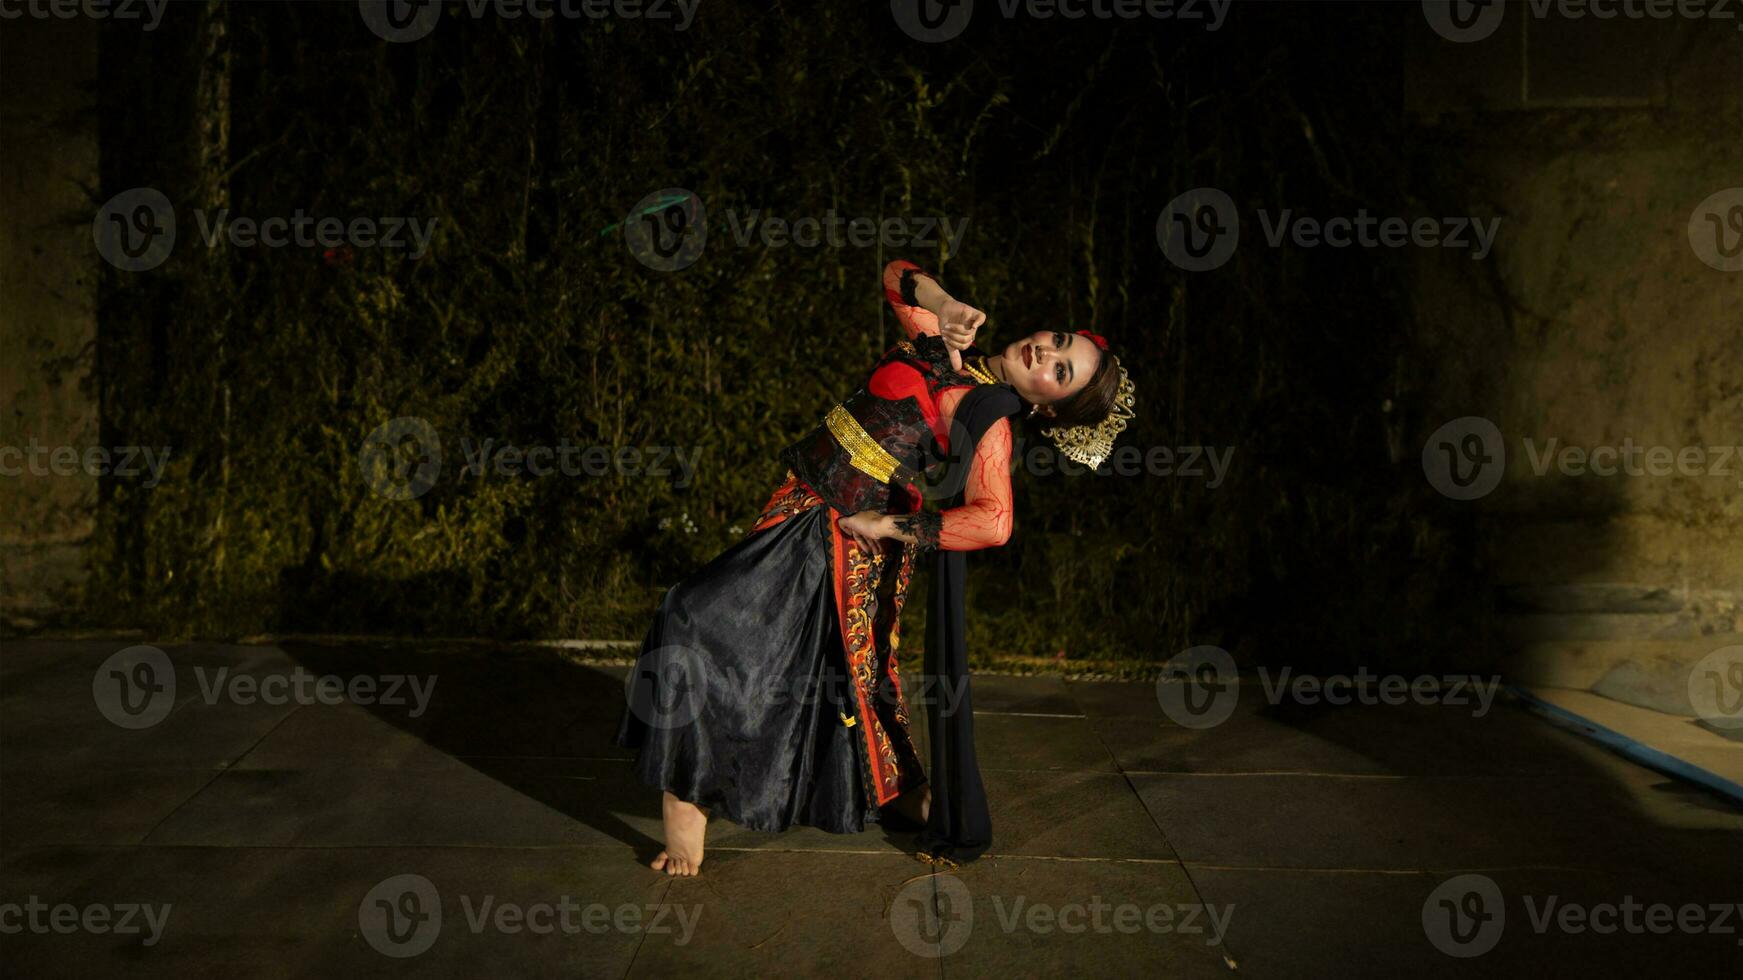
(742, 700)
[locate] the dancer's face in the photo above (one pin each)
(1049, 365)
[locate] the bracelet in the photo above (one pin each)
(908, 284)
(924, 525)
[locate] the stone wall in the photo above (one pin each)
(1599, 320)
(48, 284)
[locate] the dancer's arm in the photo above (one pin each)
(921, 304)
(984, 519)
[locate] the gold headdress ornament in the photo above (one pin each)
(1090, 444)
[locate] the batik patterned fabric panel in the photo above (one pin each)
(789, 499)
(870, 589)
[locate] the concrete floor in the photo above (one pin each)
(311, 839)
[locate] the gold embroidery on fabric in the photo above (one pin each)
(863, 451)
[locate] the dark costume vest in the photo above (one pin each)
(868, 452)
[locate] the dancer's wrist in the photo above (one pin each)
(929, 294)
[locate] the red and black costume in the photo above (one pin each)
(768, 686)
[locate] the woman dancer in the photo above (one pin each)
(767, 689)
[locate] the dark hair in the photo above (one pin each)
(1093, 402)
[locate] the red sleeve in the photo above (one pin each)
(984, 519)
(915, 320)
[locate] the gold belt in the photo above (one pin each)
(863, 451)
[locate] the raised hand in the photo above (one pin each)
(957, 324)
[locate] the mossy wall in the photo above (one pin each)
(529, 322)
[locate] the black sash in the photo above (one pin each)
(960, 828)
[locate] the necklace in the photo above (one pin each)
(978, 369)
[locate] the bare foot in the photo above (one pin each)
(686, 825)
(916, 804)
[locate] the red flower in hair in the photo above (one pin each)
(1099, 340)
